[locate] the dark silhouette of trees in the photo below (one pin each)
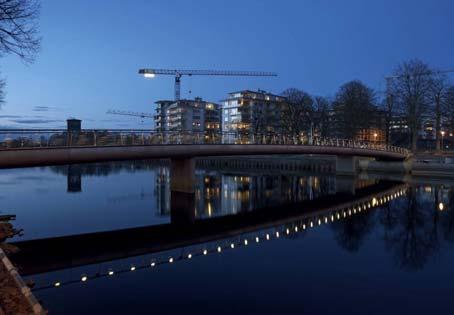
(438, 94)
(352, 106)
(18, 28)
(296, 111)
(411, 88)
(448, 108)
(320, 115)
(412, 239)
(351, 233)
(262, 119)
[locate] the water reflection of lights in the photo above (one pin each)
(441, 206)
(335, 215)
(210, 210)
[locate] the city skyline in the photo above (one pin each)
(84, 69)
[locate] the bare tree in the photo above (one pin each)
(411, 87)
(296, 111)
(2, 92)
(389, 107)
(448, 108)
(321, 115)
(353, 105)
(259, 119)
(438, 94)
(18, 28)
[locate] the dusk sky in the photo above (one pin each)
(91, 52)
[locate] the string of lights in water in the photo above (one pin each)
(245, 240)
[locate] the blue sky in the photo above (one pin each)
(91, 51)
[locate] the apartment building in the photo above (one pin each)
(190, 117)
(247, 113)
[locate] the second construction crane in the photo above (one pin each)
(151, 73)
(129, 113)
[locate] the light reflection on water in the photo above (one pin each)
(402, 243)
(106, 196)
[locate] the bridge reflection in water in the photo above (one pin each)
(260, 210)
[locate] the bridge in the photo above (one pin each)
(58, 253)
(19, 148)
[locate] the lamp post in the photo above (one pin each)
(442, 135)
(375, 136)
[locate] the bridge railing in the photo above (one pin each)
(32, 138)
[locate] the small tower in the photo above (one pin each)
(74, 125)
(73, 130)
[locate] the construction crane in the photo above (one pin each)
(151, 73)
(128, 113)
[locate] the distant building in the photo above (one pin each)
(375, 131)
(247, 113)
(400, 132)
(74, 125)
(188, 116)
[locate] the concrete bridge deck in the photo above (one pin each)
(23, 157)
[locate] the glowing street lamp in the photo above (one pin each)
(149, 75)
(442, 135)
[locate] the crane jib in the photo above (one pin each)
(207, 72)
(151, 73)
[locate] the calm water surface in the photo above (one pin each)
(305, 247)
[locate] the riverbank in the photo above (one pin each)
(16, 297)
(435, 166)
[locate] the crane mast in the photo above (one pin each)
(151, 73)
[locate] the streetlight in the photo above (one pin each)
(375, 136)
(149, 75)
(442, 135)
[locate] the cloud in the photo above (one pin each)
(41, 108)
(45, 108)
(10, 116)
(6, 127)
(34, 121)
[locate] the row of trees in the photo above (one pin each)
(418, 92)
(415, 93)
(352, 105)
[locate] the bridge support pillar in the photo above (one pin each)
(74, 178)
(345, 184)
(182, 195)
(346, 165)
